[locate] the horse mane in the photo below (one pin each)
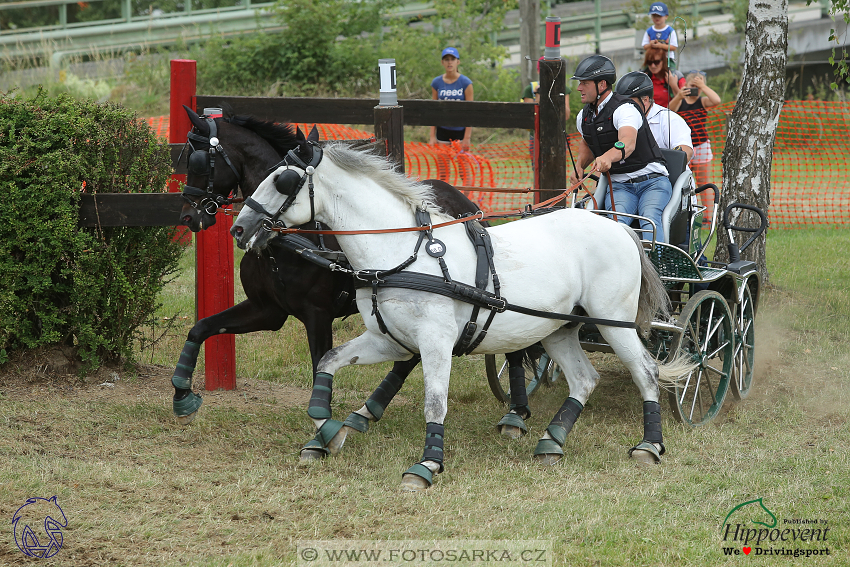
(364, 161)
(280, 136)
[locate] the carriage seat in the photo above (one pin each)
(674, 218)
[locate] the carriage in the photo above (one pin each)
(714, 304)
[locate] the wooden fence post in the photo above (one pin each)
(213, 248)
(389, 116)
(552, 158)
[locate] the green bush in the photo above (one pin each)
(60, 284)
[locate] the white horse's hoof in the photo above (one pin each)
(312, 455)
(335, 444)
(548, 459)
(186, 419)
(644, 457)
(414, 483)
(511, 431)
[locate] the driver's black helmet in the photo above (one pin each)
(596, 68)
(636, 83)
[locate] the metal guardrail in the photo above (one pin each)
(131, 32)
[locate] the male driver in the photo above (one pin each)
(616, 139)
(670, 130)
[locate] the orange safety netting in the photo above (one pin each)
(808, 178)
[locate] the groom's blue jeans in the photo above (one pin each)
(647, 199)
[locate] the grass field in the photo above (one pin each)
(230, 491)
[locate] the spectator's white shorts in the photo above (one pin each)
(702, 153)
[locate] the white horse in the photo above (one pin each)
(564, 262)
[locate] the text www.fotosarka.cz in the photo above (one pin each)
(423, 552)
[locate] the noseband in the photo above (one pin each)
(201, 161)
(289, 183)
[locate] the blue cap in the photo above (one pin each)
(450, 51)
(659, 8)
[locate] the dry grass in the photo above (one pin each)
(229, 490)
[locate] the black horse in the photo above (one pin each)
(277, 281)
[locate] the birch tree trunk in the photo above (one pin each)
(529, 39)
(752, 127)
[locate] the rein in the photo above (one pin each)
(480, 216)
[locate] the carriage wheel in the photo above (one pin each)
(707, 338)
(546, 372)
(745, 343)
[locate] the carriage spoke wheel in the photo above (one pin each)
(708, 340)
(745, 344)
(545, 373)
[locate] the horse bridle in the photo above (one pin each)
(289, 183)
(201, 161)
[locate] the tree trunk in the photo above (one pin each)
(529, 39)
(752, 127)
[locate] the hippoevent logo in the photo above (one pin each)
(38, 527)
(751, 528)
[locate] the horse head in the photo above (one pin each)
(280, 200)
(226, 154)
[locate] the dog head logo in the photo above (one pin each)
(38, 527)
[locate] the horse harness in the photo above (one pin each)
(289, 183)
(201, 161)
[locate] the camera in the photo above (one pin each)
(693, 91)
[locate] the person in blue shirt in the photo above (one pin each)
(451, 85)
(660, 35)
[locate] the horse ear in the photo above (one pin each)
(200, 125)
(299, 136)
(314, 134)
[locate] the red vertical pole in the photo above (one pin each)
(213, 247)
(182, 92)
(536, 157)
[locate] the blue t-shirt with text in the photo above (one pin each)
(451, 91)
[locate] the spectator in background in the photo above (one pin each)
(531, 94)
(692, 105)
(665, 82)
(671, 132)
(660, 35)
(451, 85)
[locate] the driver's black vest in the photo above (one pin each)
(600, 135)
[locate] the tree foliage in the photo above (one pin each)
(60, 284)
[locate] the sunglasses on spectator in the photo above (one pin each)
(695, 72)
(655, 62)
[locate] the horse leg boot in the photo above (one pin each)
(369, 349)
(549, 449)
(320, 411)
(513, 423)
(244, 317)
(377, 403)
(649, 450)
(186, 403)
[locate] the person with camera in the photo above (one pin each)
(690, 103)
(616, 139)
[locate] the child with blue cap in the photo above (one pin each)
(451, 85)
(661, 35)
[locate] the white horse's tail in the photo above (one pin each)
(653, 301)
(672, 372)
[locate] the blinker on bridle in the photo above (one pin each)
(289, 183)
(201, 161)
